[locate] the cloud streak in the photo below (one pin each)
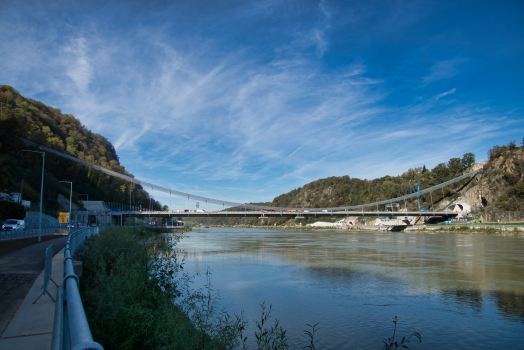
(276, 98)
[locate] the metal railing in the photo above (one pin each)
(16, 234)
(71, 329)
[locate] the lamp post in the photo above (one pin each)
(41, 191)
(85, 194)
(70, 199)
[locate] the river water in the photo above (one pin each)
(458, 290)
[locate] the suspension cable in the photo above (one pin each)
(144, 184)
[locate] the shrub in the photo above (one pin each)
(129, 290)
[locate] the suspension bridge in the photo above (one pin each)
(254, 210)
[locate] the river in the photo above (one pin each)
(458, 290)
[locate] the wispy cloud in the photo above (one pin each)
(439, 96)
(78, 67)
(444, 69)
(247, 101)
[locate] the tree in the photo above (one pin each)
(440, 172)
(455, 165)
(468, 160)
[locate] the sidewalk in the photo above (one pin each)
(32, 325)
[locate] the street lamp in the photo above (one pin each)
(70, 199)
(41, 191)
(85, 194)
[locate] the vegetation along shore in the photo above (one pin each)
(137, 296)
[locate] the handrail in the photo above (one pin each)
(26, 233)
(73, 330)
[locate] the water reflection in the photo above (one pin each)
(470, 298)
(510, 304)
(440, 283)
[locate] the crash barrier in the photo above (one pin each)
(71, 330)
(47, 272)
(16, 234)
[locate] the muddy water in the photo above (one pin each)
(459, 291)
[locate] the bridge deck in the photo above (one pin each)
(214, 214)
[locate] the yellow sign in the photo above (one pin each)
(63, 217)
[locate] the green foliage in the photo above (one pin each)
(132, 296)
(496, 152)
(34, 121)
(272, 338)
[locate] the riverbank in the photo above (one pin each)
(137, 296)
(481, 228)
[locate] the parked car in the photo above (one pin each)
(13, 225)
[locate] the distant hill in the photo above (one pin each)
(32, 120)
(497, 193)
(500, 187)
(345, 191)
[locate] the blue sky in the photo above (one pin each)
(246, 100)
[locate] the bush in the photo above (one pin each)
(496, 151)
(129, 289)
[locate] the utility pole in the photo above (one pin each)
(70, 199)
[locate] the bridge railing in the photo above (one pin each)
(71, 329)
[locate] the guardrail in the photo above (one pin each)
(16, 234)
(71, 329)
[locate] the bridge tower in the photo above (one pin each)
(418, 194)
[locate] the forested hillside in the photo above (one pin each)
(344, 191)
(500, 186)
(32, 120)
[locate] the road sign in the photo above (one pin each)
(63, 217)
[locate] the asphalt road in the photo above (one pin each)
(18, 271)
